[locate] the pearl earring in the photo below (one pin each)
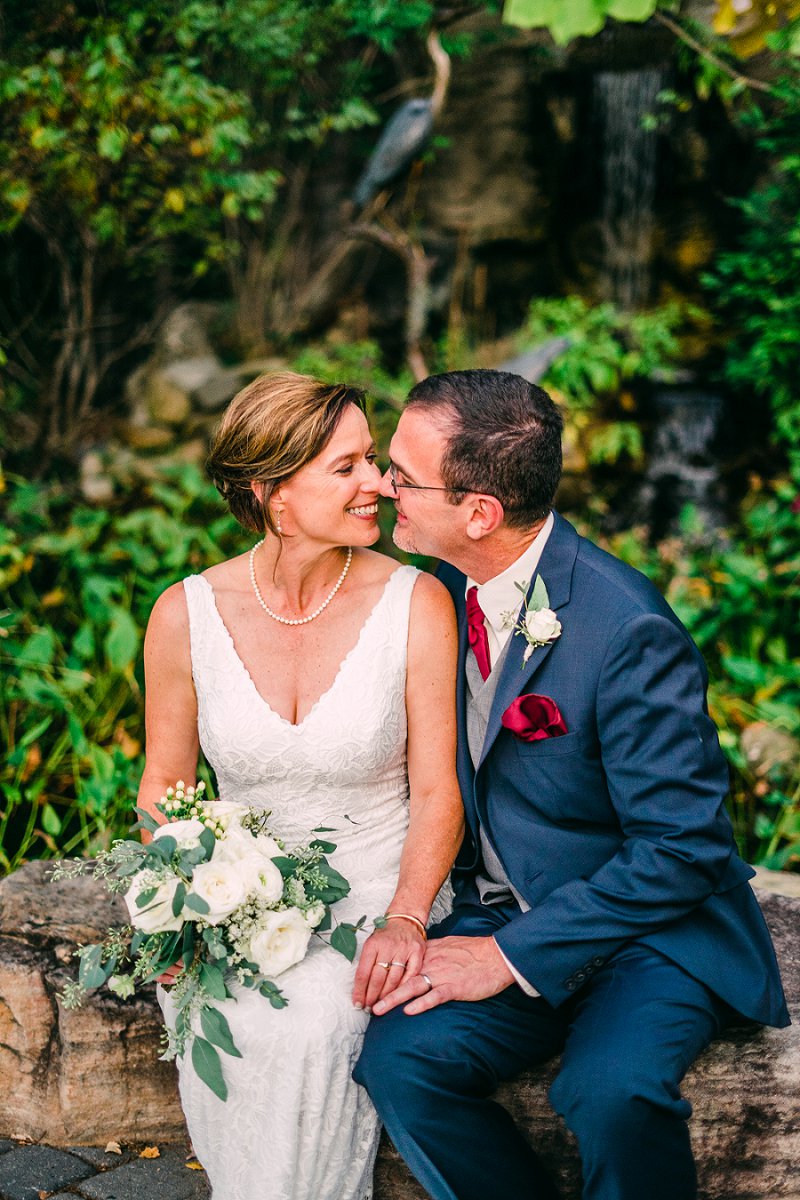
(278, 526)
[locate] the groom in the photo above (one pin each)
(602, 911)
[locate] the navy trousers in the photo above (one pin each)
(626, 1040)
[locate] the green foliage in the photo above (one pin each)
(144, 144)
(609, 350)
(76, 588)
(740, 600)
(568, 19)
(756, 285)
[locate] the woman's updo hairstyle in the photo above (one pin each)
(272, 428)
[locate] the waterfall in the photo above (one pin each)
(622, 98)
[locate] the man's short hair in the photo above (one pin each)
(504, 439)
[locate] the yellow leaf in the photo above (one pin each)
(113, 1148)
(174, 200)
(193, 1165)
(54, 598)
(150, 1152)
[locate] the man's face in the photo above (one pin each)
(427, 523)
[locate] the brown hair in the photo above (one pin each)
(272, 428)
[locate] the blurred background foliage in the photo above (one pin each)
(147, 156)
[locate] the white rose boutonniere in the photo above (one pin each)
(538, 623)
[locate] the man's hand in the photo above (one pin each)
(458, 968)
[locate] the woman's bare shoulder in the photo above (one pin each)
(170, 613)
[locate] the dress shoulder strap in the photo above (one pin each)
(200, 603)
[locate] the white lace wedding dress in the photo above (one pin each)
(295, 1126)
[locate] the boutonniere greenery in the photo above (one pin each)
(538, 624)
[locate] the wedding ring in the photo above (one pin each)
(397, 964)
(427, 979)
(385, 966)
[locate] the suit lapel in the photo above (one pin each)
(555, 567)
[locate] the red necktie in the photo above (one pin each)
(476, 630)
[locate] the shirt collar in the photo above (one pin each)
(500, 595)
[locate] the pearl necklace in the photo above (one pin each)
(299, 620)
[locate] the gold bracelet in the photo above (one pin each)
(408, 917)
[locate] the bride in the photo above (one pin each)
(318, 678)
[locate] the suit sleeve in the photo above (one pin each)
(667, 779)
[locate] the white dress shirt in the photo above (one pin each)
(497, 597)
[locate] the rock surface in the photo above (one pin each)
(91, 1076)
(84, 1076)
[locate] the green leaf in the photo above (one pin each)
(539, 597)
(325, 847)
(111, 142)
(122, 640)
(205, 1061)
(287, 866)
(325, 923)
(216, 1028)
(146, 821)
(272, 993)
(197, 904)
(166, 846)
(188, 944)
(631, 10)
(144, 898)
(208, 841)
(213, 981)
(91, 973)
(51, 822)
(178, 899)
(344, 940)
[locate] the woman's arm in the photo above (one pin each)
(170, 702)
(436, 819)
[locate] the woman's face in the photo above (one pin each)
(334, 498)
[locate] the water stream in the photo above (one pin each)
(622, 99)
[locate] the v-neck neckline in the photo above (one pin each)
(348, 656)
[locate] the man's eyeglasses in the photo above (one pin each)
(419, 487)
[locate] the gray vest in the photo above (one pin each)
(493, 885)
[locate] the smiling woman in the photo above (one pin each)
(319, 678)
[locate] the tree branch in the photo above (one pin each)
(704, 52)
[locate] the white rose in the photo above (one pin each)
(281, 941)
(542, 625)
(227, 813)
(314, 914)
(262, 879)
(186, 833)
(156, 916)
(222, 885)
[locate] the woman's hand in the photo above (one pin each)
(389, 956)
(171, 974)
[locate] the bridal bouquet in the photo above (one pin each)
(216, 892)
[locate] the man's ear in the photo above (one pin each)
(485, 515)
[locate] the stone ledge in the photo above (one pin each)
(91, 1076)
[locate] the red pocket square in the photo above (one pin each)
(532, 718)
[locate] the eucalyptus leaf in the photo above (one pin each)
(178, 899)
(213, 981)
(344, 940)
(206, 1063)
(216, 1028)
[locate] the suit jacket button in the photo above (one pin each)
(580, 976)
(598, 962)
(570, 985)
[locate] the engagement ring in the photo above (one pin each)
(385, 966)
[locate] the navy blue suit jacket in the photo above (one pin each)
(616, 830)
